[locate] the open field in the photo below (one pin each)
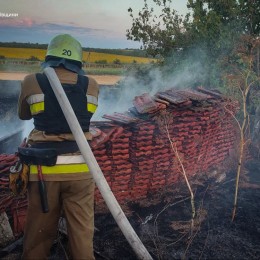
(95, 63)
(91, 57)
(32, 67)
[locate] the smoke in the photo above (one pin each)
(152, 78)
(9, 89)
(118, 98)
(149, 78)
(10, 124)
(28, 127)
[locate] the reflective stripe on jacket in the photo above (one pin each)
(31, 103)
(46, 110)
(36, 103)
(65, 164)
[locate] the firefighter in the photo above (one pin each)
(69, 183)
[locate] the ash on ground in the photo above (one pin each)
(164, 226)
(163, 223)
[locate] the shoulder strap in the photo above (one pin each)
(83, 81)
(43, 82)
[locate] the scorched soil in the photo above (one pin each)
(163, 223)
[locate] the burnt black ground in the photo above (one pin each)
(215, 237)
(162, 223)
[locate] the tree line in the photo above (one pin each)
(209, 34)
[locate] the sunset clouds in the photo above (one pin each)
(14, 21)
(99, 23)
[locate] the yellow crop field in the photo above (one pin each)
(22, 53)
(92, 57)
(96, 56)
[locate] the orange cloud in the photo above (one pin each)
(16, 22)
(28, 22)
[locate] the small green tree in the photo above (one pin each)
(159, 34)
(241, 77)
(250, 16)
(116, 61)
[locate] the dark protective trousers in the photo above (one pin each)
(76, 199)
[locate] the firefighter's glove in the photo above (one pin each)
(18, 178)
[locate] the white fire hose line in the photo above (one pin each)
(98, 176)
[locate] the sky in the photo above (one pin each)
(95, 23)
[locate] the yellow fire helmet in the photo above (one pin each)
(64, 50)
(65, 46)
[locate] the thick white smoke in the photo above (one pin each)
(119, 98)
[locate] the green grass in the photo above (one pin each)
(19, 68)
(35, 68)
(104, 71)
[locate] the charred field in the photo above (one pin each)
(162, 221)
(164, 225)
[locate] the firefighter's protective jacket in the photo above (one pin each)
(38, 101)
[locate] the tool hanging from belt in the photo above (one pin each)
(19, 175)
(42, 190)
(39, 157)
(18, 178)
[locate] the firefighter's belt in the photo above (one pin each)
(47, 157)
(61, 147)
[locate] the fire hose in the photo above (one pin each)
(95, 170)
